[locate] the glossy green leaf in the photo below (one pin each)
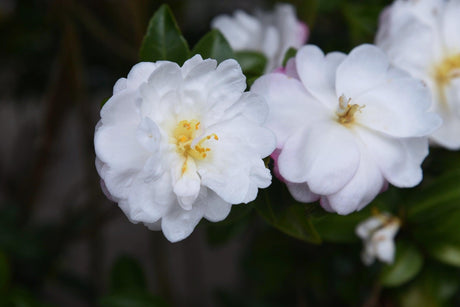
(290, 53)
(407, 264)
(163, 40)
(214, 45)
(252, 63)
(126, 274)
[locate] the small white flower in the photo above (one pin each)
(175, 144)
(422, 37)
(378, 234)
(347, 125)
(271, 33)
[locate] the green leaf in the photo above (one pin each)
(278, 208)
(253, 63)
(163, 40)
(126, 274)
(132, 299)
(214, 45)
(407, 264)
(446, 253)
(290, 53)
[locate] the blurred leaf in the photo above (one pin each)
(126, 274)
(446, 253)
(279, 209)
(290, 53)
(163, 40)
(214, 46)
(252, 62)
(339, 228)
(408, 262)
(132, 299)
(362, 21)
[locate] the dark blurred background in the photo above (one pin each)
(62, 243)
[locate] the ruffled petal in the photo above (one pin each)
(301, 192)
(290, 105)
(326, 157)
(397, 107)
(179, 223)
(398, 159)
(451, 24)
(360, 190)
(215, 208)
(318, 73)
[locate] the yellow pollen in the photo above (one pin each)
(184, 135)
(444, 72)
(346, 112)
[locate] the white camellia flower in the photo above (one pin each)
(271, 33)
(377, 233)
(422, 37)
(175, 144)
(346, 126)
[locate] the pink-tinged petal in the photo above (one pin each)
(398, 159)
(291, 69)
(318, 73)
(360, 190)
(179, 223)
(303, 32)
(365, 68)
(290, 105)
(326, 156)
(301, 192)
(397, 107)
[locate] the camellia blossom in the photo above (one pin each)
(346, 126)
(175, 144)
(377, 233)
(422, 37)
(271, 33)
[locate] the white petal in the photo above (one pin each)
(326, 157)
(215, 208)
(363, 69)
(360, 190)
(148, 135)
(399, 160)
(365, 229)
(120, 85)
(186, 184)
(139, 74)
(318, 73)
(148, 201)
(451, 24)
(179, 223)
(385, 251)
(121, 109)
(301, 192)
(398, 107)
(166, 77)
(290, 105)
(447, 135)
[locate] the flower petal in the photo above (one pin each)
(325, 156)
(290, 105)
(318, 73)
(301, 192)
(398, 159)
(360, 190)
(179, 223)
(215, 208)
(398, 107)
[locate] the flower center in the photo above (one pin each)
(444, 72)
(184, 135)
(346, 111)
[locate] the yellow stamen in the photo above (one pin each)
(183, 137)
(346, 112)
(444, 72)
